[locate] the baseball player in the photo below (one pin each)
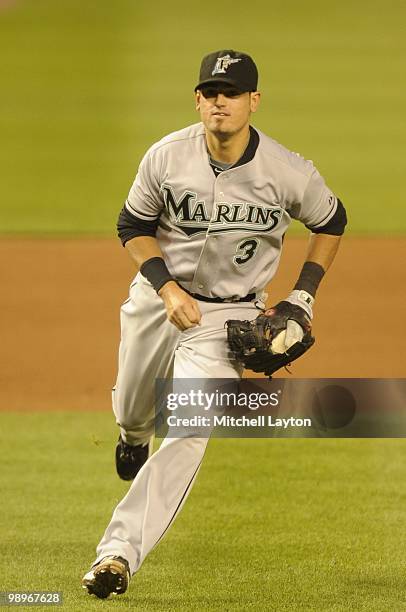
(204, 222)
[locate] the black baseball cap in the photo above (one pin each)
(229, 66)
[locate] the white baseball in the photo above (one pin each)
(278, 343)
(286, 338)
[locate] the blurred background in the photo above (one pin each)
(87, 86)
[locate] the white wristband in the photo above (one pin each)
(303, 299)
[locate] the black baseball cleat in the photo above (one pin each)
(130, 459)
(110, 576)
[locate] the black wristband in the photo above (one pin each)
(156, 272)
(310, 277)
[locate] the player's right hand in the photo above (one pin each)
(182, 310)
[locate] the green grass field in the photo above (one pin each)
(270, 524)
(88, 86)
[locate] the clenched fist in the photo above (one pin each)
(182, 310)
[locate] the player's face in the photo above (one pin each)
(224, 110)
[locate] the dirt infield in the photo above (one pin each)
(60, 326)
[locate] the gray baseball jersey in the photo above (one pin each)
(221, 236)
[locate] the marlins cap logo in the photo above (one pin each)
(223, 63)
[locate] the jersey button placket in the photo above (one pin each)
(204, 265)
(218, 198)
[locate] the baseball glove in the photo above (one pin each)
(251, 341)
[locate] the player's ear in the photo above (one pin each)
(197, 99)
(255, 97)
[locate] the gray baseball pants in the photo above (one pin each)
(151, 347)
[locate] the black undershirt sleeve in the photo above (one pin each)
(130, 226)
(336, 225)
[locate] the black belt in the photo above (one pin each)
(219, 300)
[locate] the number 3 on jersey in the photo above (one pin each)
(246, 251)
